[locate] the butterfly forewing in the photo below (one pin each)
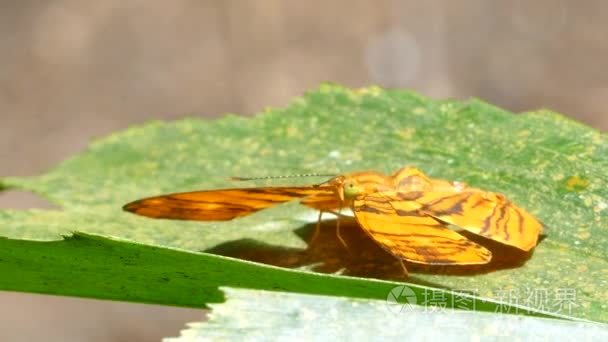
(414, 236)
(322, 201)
(220, 205)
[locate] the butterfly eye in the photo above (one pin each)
(351, 190)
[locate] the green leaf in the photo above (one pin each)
(318, 318)
(94, 266)
(547, 164)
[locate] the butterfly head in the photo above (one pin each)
(347, 188)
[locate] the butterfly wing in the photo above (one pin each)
(483, 213)
(322, 201)
(411, 235)
(219, 205)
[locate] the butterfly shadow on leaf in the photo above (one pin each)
(362, 257)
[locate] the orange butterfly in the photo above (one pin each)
(406, 213)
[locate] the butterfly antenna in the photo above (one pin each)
(282, 176)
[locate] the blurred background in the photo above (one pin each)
(71, 71)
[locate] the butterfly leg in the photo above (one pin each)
(338, 233)
(315, 235)
(405, 272)
(317, 231)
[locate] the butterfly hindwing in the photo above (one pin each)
(483, 213)
(411, 235)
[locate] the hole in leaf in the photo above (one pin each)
(19, 199)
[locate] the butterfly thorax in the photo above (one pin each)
(343, 189)
(349, 186)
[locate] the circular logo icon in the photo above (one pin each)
(401, 299)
